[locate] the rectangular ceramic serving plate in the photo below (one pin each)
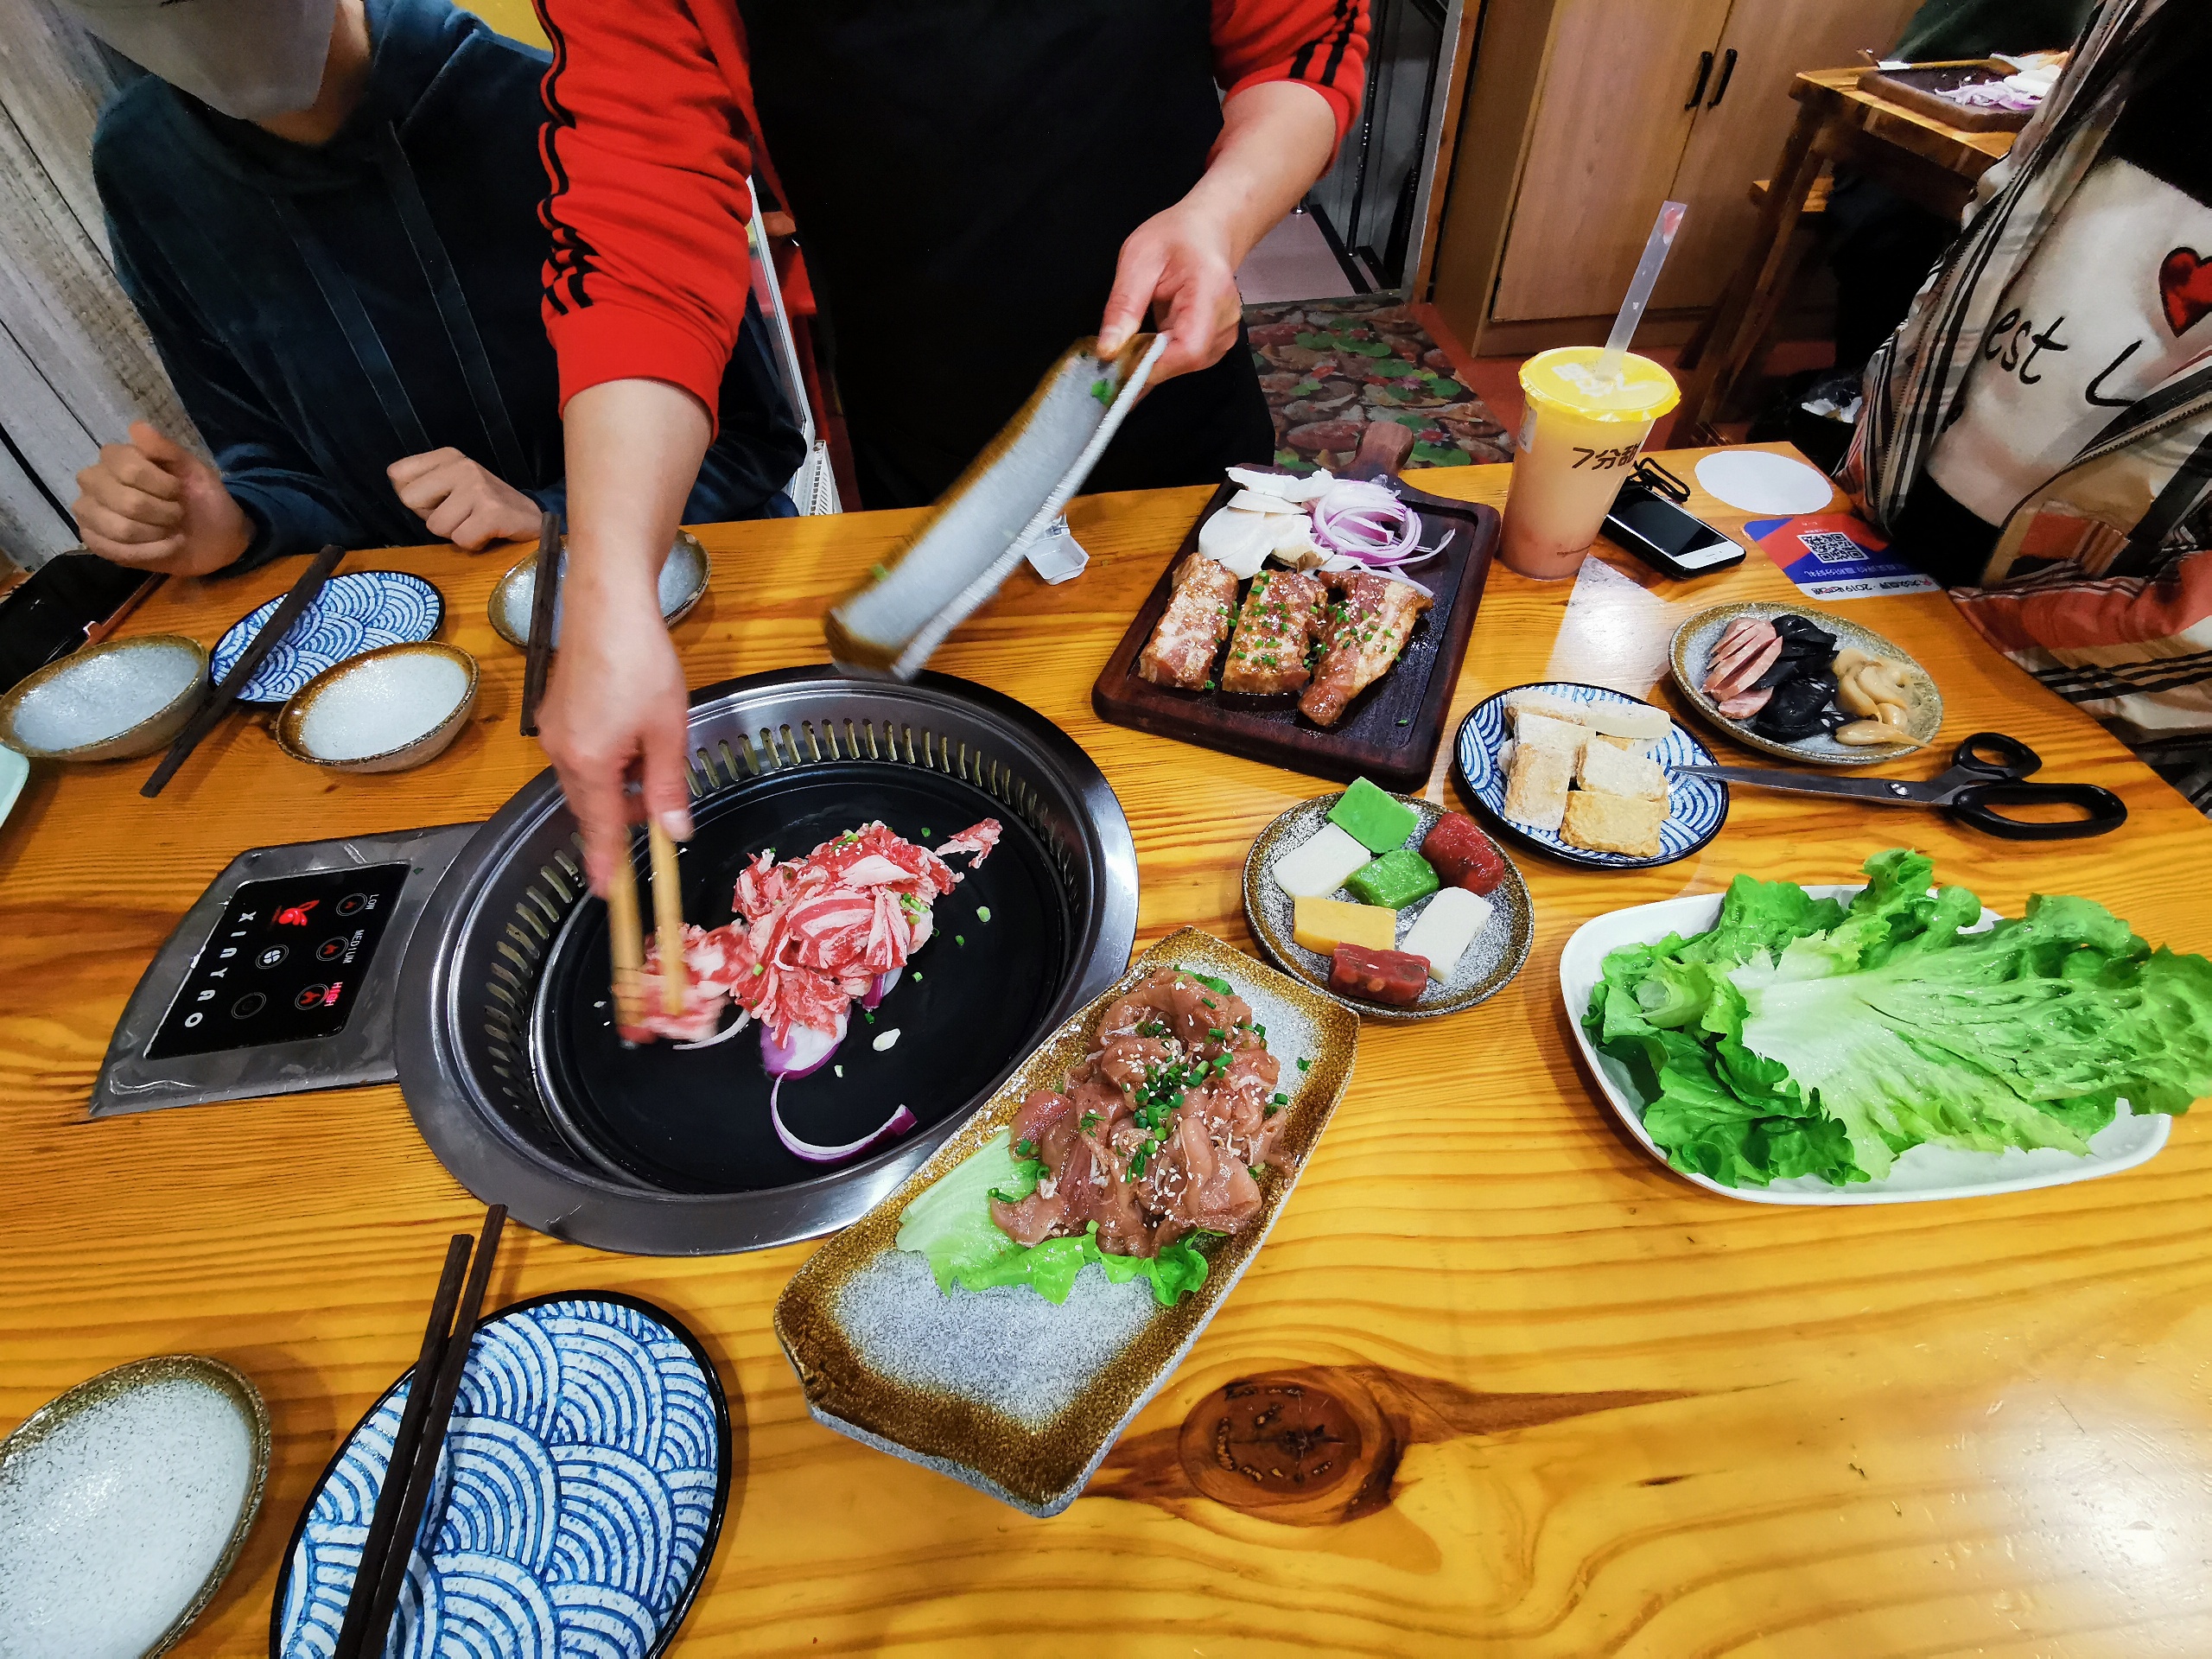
(1000, 1388)
(1924, 1172)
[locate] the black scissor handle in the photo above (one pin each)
(2014, 760)
(1972, 805)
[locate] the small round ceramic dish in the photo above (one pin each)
(1692, 656)
(683, 583)
(1487, 967)
(580, 1491)
(385, 710)
(123, 1504)
(114, 700)
(1697, 807)
(354, 612)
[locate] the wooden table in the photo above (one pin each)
(1625, 1416)
(1920, 157)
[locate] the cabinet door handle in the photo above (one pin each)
(1704, 74)
(1727, 75)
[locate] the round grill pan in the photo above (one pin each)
(507, 1054)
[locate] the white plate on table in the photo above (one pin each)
(1923, 1172)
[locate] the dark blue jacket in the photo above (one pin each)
(325, 311)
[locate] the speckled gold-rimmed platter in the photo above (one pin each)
(125, 1503)
(1001, 1389)
(1691, 659)
(1492, 958)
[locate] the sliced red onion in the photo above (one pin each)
(1367, 521)
(898, 1123)
(881, 987)
(802, 1053)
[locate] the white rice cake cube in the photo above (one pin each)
(1316, 869)
(1443, 931)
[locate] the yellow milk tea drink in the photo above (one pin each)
(1579, 439)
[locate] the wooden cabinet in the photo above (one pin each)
(1584, 115)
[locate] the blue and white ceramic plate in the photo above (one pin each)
(1700, 804)
(576, 1503)
(354, 612)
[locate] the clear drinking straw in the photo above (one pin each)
(1607, 369)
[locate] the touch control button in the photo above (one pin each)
(249, 1005)
(330, 950)
(310, 996)
(271, 957)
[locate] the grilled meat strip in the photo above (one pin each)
(1281, 615)
(1181, 651)
(1367, 626)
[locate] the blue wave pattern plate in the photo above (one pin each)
(1699, 805)
(576, 1503)
(354, 612)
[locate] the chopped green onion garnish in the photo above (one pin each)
(960, 938)
(878, 572)
(982, 912)
(839, 1069)
(1026, 1149)
(1305, 1065)
(1282, 1100)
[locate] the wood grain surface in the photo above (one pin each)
(1592, 1408)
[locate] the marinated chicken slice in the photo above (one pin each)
(1367, 624)
(1281, 615)
(1181, 651)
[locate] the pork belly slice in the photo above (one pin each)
(1200, 605)
(1281, 615)
(1367, 624)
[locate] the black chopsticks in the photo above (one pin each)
(420, 1439)
(544, 593)
(266, 640)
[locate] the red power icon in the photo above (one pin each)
(295, 915)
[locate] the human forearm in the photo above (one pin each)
(634, 453)
(615, 704)
(1276, 139)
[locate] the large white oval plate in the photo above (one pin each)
(1923, 1173)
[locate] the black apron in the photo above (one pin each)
(964, 176)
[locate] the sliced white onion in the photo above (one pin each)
(898, 1123)
(727, 1032)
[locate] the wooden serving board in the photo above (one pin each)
(1390, 731)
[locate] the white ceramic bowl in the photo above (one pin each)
(115, 700)
(683, 581)
(385, 710)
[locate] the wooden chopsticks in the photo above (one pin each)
(668, 921)
(627, 939)
(421, 1438)
(270, 635)
(544, 593)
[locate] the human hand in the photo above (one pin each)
(616, 704)
(1181, 264)
(462, 502)
(155, 505)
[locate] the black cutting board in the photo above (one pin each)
(1391, 731)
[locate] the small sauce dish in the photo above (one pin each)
(115, 700)
(683, 583)
(385, 710)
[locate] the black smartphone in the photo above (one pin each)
(1646, 520)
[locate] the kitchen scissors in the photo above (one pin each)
(1975, 784)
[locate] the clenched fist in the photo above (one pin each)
(459, 501)
(153, 505)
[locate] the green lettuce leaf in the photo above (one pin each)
(950, 1225)
(1796, 1036)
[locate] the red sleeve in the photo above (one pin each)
(646, 156)
(1320, 43)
